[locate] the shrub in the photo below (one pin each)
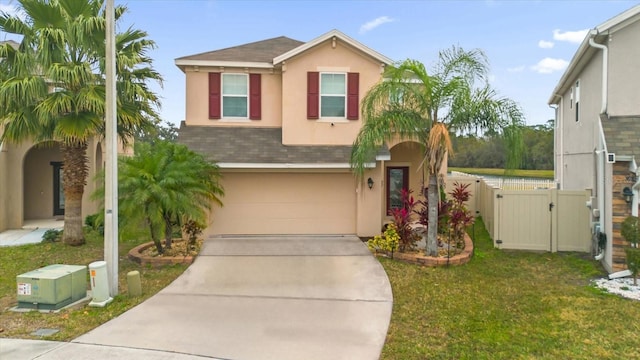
(52, 235)
(630, 230)
(402, 220)
(453, 215)
(387, 242)
(193, 229)
(95, 222)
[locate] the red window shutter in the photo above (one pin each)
(214, 95)
(353, 87)
(255, 106)
(313, 95)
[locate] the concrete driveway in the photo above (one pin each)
(276, 297)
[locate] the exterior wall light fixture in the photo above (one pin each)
(628, 194)
(370, 183)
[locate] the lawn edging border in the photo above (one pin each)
(430, 261)
(136, 256)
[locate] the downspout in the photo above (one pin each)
(602, 151)
(559, 145)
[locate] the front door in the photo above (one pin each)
(58, 189)
(397, 179)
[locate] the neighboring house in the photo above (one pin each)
(31, 181)
(279, 116)
(597, 134)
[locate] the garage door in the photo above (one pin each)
(279, 203)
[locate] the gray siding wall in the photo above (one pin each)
(580, 138)
(624, 73)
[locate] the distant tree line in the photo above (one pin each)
(489, 150)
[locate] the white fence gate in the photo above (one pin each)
(543, 219)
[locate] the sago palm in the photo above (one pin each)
(165, 184)
(52, 88)
(411, 103)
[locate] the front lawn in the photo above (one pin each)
(508, 305)
(71, 322)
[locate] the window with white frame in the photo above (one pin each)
(333, 94)
(577, 100)
(235, 95)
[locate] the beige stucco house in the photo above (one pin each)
(30, 182)
(597, 134)
(279, 116)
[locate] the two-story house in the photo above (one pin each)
(597, 127)
(279, 117)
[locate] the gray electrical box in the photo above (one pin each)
(52, 287)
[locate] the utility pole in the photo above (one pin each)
(111, 158)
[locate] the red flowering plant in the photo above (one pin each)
(459, 217)
(402, 220)
(453, 216)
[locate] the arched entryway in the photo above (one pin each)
(43, 194)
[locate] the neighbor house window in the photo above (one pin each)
(333, 95)
(235, 95)
(397, 179)
(577, 100)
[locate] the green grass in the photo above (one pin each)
(72, 322)
(542, 174)
(508, 305)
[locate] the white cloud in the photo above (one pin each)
(375, 23)
(545, 44)
(549, 65)
(516, 69)
(570, 36)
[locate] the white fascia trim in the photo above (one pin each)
(223, 165)
(231, 64)
(618, 19)
(584, 47)
(322, 38)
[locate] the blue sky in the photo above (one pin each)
(528, 43)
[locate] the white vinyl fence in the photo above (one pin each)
(530, 217)
(511, 183)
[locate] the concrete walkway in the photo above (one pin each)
(282, 298)
(30, 233)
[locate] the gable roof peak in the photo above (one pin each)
(329, 35)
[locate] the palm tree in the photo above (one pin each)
(52, 88)
(164, 184)
(413, 104)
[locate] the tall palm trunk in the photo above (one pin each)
(168, 231)
(432, 229)
(74, 177)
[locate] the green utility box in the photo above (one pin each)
(52, 287)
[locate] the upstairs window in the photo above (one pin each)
(332, 95)
(235, 95)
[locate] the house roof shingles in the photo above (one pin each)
(259, 51)
(621, 134)
(256, 146)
